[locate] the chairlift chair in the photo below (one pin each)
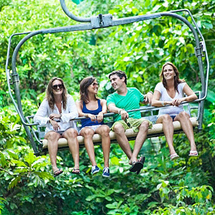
(34, 132)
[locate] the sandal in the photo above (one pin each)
(174, 156)
(57, 172)
(76, 171)
(193, 154)
(136, 167)
(142, 159)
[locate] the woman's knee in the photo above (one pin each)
(52, 136)
(71, 133)
(164, 118)
(104, 130)
(183, 114)
(87, 132)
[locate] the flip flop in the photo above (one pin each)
(136, 167)
(57, 172)
(174, 156)
(193, 154)
(76, 171)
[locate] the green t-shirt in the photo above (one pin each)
(128, 102)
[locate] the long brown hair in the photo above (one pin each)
(85, 83)
(176, 77)
(50, 95)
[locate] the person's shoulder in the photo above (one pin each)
(112, 95)
(69, 96)
(159, 87)
(159, 84)
(45, 101)
(132, 89)
(102, 100)
(182, 84)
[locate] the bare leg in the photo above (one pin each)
(88, 133)
(187, 127)
(104, 130)
(140, 139)
(52, 138)
(122, 140)
(71, 136)
(168, 129)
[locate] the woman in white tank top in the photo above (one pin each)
(170, 92)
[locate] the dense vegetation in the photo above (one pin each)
(185, 186)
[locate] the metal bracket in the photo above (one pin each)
(101, 21)
(202, 45)
(202, 48)
(198, 51)
(15, 77)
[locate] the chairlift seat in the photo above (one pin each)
(156, 130)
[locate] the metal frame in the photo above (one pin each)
(97, 22)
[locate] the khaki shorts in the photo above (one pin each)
(132, 123)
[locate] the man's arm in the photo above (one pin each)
(148, 98)
(113, 109)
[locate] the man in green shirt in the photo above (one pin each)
(119, 102)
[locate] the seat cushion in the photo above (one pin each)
(156, 129)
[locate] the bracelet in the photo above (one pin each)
(120, 111)
(162, 102)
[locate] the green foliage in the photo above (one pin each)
(194, 201)
(9, 128)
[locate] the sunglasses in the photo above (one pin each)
(56, 86)
(95, 84)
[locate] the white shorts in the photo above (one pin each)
(93, 127)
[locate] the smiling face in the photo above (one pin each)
(117, 82)
(88, 85)
(57, 87)
(93, 88)
(168, 72)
